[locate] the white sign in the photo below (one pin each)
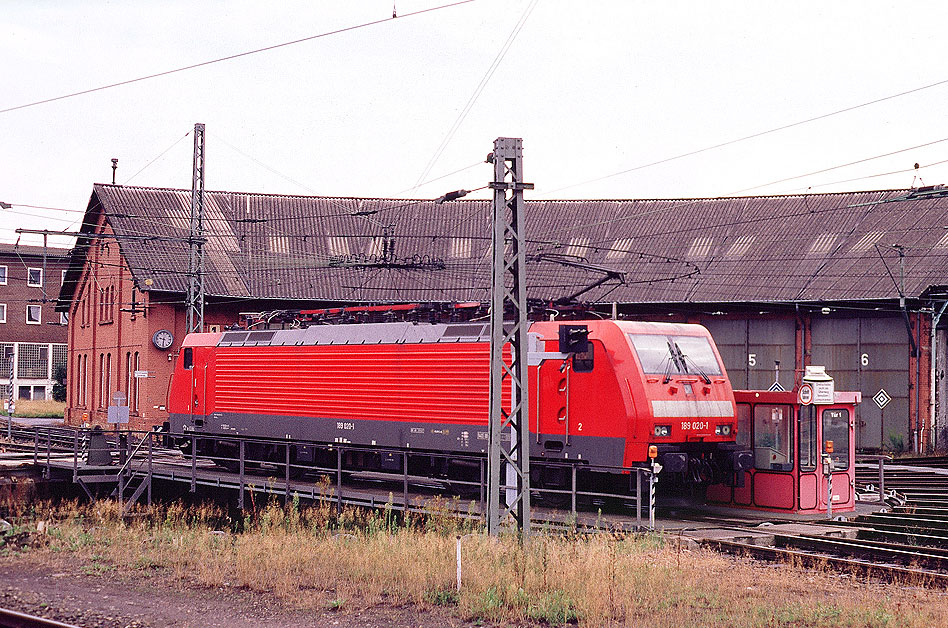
(142, 374)
(824, 388)
(823, 392)
(805, 395)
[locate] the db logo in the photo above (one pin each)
(805, 396)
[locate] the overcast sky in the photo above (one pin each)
(595, 89)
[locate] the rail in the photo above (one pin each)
(15, 619)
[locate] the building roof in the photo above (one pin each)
(23, 250)
(802, 248)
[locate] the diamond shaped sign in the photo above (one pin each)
(776, 387)
(881, 398)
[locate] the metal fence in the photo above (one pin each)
(133, 460)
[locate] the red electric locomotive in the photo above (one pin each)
(425, 387)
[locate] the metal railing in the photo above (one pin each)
(71, 448)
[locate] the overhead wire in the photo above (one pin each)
(160, 155)
(478, 90)
(233, 56)
(752, 136)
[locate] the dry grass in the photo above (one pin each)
(39, 408)
(365, 558)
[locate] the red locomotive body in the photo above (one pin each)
(426, 387)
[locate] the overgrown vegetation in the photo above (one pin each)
(26, 408)
(312, 556)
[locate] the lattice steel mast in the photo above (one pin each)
(195, 297)
(508, 295)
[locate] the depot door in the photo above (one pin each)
(870, 355)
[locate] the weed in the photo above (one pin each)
(442, 597)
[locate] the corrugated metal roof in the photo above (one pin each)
(37, 251)
(818, 247)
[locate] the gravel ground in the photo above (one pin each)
(69, 594)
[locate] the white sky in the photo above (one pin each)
(593, 88)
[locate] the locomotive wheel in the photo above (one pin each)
(558, 479)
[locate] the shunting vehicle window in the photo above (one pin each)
(188, 357)
(773, 437)
(743, 425)
(836, 429)
(808, 458)
(681, 355)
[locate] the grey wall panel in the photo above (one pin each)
(730, 336)
(868, 355)
(749, 348)
(770, 340)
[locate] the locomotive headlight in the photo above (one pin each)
(723, 430)
(663, 430)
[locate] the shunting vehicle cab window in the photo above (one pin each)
(836, 429)
(188, 357)
(808, 458)
(743, 425)
(680, 355)
(773, 437)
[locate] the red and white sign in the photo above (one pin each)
(805, 394)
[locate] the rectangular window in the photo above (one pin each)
(108, 379)
(34, 314)
(62, 279)
(6, 358)
(743, 425)
(129, 376)
(808, 438)
(101, 399)
(3, 312)
(77, 382)
(134, 404)
(3, 275)
(33, 360)
(836, 429)
(773, 437)
(34, 277)
(584, 362)
(85, 380)
(188, 357)
(674, 355)
(64, 318)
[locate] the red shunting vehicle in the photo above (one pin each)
(602, 392)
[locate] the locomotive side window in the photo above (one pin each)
(836, 429)
(773, 437)
(188, 357)
(808, 457)
(661, 354)
(583, 362)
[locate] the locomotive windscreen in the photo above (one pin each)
(660, 354)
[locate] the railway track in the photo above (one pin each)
(905, 542)
(859, 558)
(15, 619)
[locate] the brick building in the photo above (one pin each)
(32, 332)
(854, 281)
